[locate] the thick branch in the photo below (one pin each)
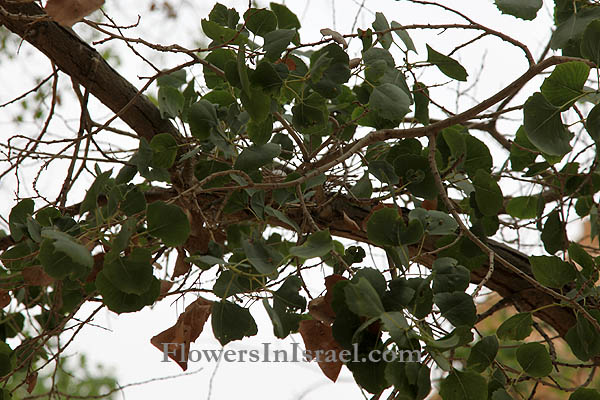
(84, 64)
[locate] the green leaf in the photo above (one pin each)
(585, 394)
(66, 244)
(382, 227)
(456, 307)
(260, 132)
(68, 261)
(592, 124)
(282, 217)
(522, 207)
(45, 216)
(459, 385)
(318, 244)
(170, 102)
(501, 394)
(483, 354)
(310, 114)
(572, 29)
(363, 299)
(121, 302)
(517, 327)
(254, 157)
(224, 16)
(262, 256)
(205, 168)
(131, 274)
(389, 102)
(231, 322)
(164, 149)
(277, 41)
(7, 363)
(285, 18)
(174, 79)
(583, 258)
(551, 271)
(256, 103)
(260, 21)
(89, 202)
(534, 359)
(333, 70)
(448, 276)
(416, 175)
(487, 194)
(403, 35)
(375, 278)
(434, 222)
(287, 296)
(168, 222)
(544, 127)
(553, 234)
(363, 188)
(519, 157)
(583, 338)
(395, 323)
(221, 34)
(478, 156)
(565, 84)
(379, 25)
(219, 97)
(421, 94)
(524, 9)
(590, 45)
(449, 66)
(17, 219)
(202, 117)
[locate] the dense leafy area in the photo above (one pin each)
(268, 144)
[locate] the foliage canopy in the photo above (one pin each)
(263, 159)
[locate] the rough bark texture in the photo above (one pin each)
(84, 64)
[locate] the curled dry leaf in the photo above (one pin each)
(4, 298)
(36, 276)
(68, 12)
(181, 266)
(176, 340)
(353, 63)
(320, 308)
(165, 286)
(335, 36)
(31, 381)
(318, 337)
(350, 222)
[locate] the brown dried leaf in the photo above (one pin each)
(350, 222)
(321, 310)
(36, 276)
(335, 36)
(353, 63)
(68, 12)
(165, 286)
(31, 381)
(4, 298)
(176, 340)
(318, 336)
(181, 266)
(330, 282)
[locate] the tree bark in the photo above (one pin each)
(84, 64)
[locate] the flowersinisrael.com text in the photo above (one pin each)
(297, 354)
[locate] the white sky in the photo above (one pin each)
(123, 342)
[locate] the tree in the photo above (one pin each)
(257, 169)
